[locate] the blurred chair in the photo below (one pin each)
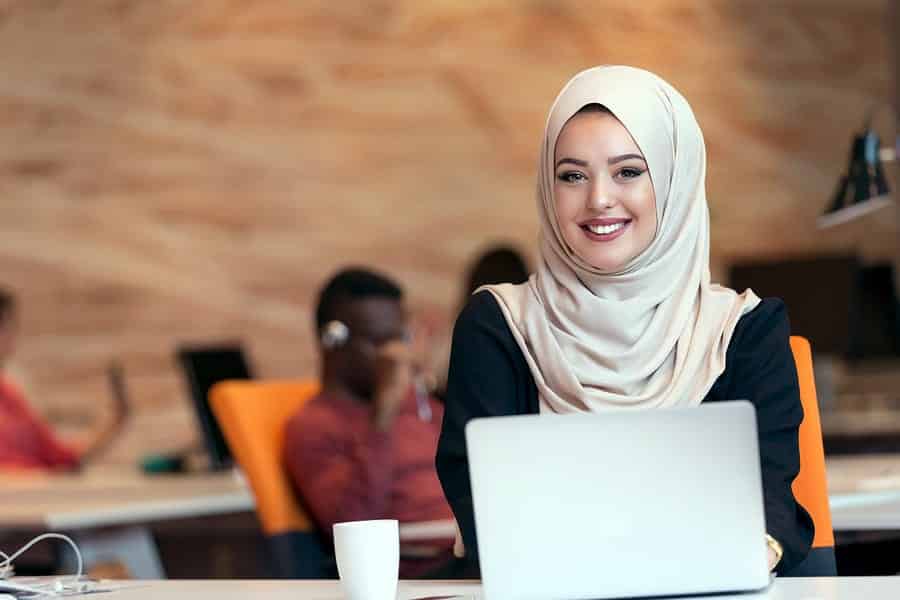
(811, 486)
(253, 416)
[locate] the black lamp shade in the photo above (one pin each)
(864, 188)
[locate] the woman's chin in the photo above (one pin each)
(606, 263)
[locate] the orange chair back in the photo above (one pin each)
(811, 486)
(252, 416)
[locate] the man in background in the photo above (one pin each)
(364, 447)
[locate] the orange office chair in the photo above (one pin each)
(811, 486)
(252, 416)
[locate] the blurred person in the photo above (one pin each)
(364, 447)
(26, 441)
(497, 264)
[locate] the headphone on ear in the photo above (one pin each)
(334, 335)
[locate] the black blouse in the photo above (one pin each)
(489, 377)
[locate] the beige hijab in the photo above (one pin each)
(655, 333)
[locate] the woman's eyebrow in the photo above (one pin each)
(617, 159)
(574, 161)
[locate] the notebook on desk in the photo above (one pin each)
(615, 505)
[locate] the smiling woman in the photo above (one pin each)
(621, 313)
(605, 202)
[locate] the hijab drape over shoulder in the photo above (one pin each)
(654, 333)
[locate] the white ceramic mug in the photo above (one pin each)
(368, 558)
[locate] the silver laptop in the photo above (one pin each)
(616, 505)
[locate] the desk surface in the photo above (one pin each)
(864, 491)
(863, 473)
(105, 498)
(836, 588)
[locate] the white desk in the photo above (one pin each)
(864, 492)
(104, 498)
(836, 588)
(109, 511)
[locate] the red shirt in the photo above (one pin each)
(345, 470)
(26, 442)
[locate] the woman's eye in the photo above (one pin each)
(631, 172)
(571, 177)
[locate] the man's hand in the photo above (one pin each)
(393, 379)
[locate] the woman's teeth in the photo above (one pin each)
(605, 229)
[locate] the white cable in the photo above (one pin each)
(46, 536)
(6, 566)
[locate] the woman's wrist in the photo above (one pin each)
(776, 551)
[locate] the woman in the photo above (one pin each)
(621, 314)
(26, 441)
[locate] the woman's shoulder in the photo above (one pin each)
(770, 306)
(488, 371)
(481, 329)
(767, 322)
(481, 310)
(759, 364)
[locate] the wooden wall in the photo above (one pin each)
(176, 171)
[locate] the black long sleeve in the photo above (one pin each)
(760, 367)
(489, 376)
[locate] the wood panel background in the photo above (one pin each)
(187, 171)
